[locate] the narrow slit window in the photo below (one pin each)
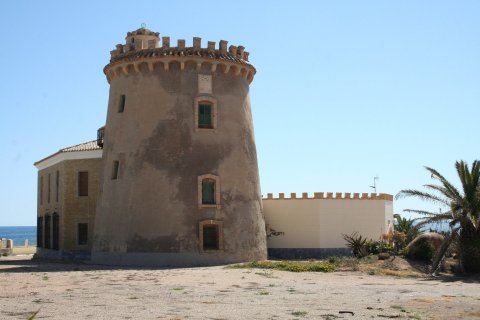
(205, 116)
(208, 191)
(57, 185)
(82, 233)
(83, 184)
(121, 104)
(41, 190)
(116, 165)
(210, 237)
(49, 189)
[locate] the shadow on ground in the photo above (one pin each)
(29, 264)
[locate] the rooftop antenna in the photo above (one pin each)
(374, 187)
(143, 25)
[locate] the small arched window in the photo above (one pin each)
(211, 235)
(205, 110)
(208, 191)
(205, 119)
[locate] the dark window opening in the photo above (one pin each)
(57, 185)
(210, 237)
(56, 231)
(83, 183)
(208, 191)
(100, 136)
(116, 165)
(40, 232)
(205, 116)
(121, 104)
(47, 232)
(82, 233)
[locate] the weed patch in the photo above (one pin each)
(292, 266)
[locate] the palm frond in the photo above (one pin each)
(445, 182)
(446, 192)
(422, 212)
(425, 196)
(434, 219)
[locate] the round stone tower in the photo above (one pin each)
(180, 183)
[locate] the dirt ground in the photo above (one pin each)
(78, 291)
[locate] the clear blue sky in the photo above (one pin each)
(344, 91)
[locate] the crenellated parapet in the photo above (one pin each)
(144, 52)
(332, 196)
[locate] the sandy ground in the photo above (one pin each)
(74, 291)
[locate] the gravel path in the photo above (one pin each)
(71, 291)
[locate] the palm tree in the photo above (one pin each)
(463, 211)
(406, 226)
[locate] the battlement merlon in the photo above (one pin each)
(143, 46)
(333, 196)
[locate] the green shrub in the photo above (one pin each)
(376, 247)
(422, 250)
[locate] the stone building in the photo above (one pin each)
(173, 177)
(68, 184)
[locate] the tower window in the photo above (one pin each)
(208, 191)
(121, 104)
(83, 184)
(205, 116)
(210, 237)
(82, 232)
(205, 109)
(116, 165)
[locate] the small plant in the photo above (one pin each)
(299, 313)
(263, 293)
(33, 315)
(357, 243)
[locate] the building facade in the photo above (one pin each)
(172, 179)
(313, 226)
(68, 184)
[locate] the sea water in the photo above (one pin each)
(19, 234)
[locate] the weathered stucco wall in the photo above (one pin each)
(320, 223)
(151, 210)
